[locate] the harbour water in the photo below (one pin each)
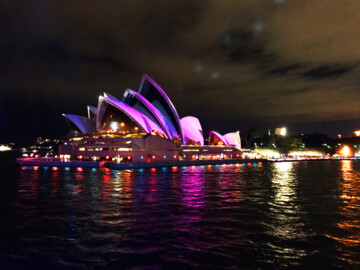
(262, 215)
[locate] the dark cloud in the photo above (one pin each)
(283, 70)
(234, 64)
(324, 72)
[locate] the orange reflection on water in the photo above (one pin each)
(106, 183)
(350, 195)
(128, 187)
(117, 184)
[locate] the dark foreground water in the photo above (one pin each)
(269, 215)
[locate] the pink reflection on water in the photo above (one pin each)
(55, 176)
(192, 196)
(193, 187)
(79, 176)
(117, 184)
(230, 186)
(153, 183)
(29, 186)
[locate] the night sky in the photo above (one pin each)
(233, 64)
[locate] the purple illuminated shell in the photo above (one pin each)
(140, 103)
(233, 138)
(150, 90)
(191, 130)
(218, 136)
(140, 119)
(81, 123)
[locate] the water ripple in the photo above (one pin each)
(276, 215)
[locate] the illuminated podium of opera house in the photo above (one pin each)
(142, 126)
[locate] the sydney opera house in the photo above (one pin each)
(142, 126)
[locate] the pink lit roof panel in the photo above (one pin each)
(191, 129)
(147, 108)
(157, 97)
(142, 120)
(233, 138)
(221, 138)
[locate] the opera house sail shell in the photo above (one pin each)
(216, 139)
(233, 138)
(191, 131)
(140, 103)
(114, 116)
(150, 90)
(92, 111)
(80, 124)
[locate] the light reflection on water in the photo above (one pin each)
(270, 215)
(284, 182)
(285, 212)
(349, 226)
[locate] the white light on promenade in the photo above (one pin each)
(281, 131)
(4, 148)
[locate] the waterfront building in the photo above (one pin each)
(142, 126)
(281, 131)
(5, 148)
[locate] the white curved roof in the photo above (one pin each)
(106, 94)
(191, 130)
(233, 138)
(146, 107)
(142, 120)
(92, 111)
(219, 136)
(157, 97)
(84, 124)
